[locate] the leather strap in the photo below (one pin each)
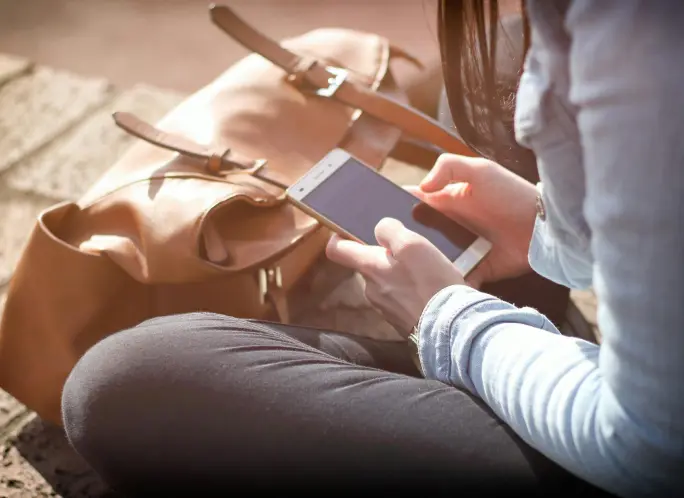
(145, 131)
(216, 162)
(333, 83)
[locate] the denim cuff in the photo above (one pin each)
(451, 322)
(438, 329)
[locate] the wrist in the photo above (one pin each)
(414, 346)
(436, 325)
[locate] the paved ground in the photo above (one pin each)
(41, 113)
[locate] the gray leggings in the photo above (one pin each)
(204, 404)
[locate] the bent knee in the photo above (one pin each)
(99, 384)
(124, 363)
(115, 375)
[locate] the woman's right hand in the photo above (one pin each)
(490, 200)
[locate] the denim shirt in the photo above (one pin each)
(601, 103)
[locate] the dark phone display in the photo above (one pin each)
(356, 198)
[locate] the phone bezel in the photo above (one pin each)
(334, 160)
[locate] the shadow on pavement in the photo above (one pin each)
(45, 448)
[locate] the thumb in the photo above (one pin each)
(391, 233)
(438, 200)
(399, 240)
(449, 168)
(452, 199)
(351, 254)
(475, 279)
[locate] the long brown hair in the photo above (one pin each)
(481, 102)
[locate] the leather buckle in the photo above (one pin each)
(258, 166)
(338, 77)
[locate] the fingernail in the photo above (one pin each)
(331, 246)
(427, 184)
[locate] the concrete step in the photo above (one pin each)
(40, 105)
(66, 168)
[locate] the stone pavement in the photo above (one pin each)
(56, 138)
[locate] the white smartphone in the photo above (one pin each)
(351, 198)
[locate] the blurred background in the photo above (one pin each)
(172, 44)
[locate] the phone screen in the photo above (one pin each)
(356, 198)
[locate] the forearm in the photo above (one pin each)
(547, 387)
(611, 415)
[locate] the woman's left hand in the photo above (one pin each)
(402, 273)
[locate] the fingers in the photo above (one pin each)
(454, 200)
(356, 256)
(476, 278)
(417, 192)
(443, 197)
(450, 168)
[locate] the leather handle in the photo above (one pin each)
(335, 85)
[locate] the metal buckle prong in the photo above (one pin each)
(258, 165)
(338, 77)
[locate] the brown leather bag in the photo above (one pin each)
(193, 217)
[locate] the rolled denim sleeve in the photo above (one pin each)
(454, 319)
(610, 414)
